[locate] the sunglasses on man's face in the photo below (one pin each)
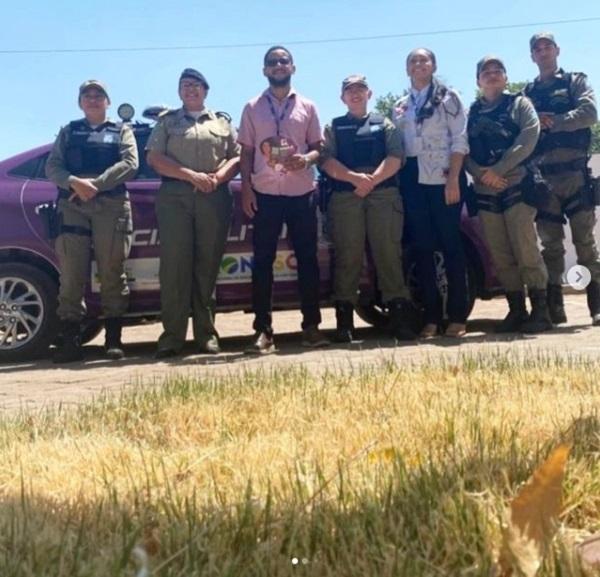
(283, 60)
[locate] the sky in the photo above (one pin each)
(226, 41)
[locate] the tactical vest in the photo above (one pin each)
(557, 98)
(491, 133)
(90, 151)
(360, 145)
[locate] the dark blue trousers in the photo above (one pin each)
(299, 214)
(434, 226)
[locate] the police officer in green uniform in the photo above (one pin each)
(362, 155)
(503, 131)
(90, 161)
(566, 106)
(194, 150)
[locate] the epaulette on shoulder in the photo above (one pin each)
(167, 112)
(224, 115)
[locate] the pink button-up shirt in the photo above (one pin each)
(298, 127)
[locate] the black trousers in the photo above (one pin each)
(435, 226)
(299, 214)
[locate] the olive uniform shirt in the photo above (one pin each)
(202, 145)
(118, 173)
(584, 115)
(510, 165)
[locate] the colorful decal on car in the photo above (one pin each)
(142, 273)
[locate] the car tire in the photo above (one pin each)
(90, 329)
(28, 322)
(376, 314)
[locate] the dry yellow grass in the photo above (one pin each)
(421, 454)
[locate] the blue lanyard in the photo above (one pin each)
(278, 119)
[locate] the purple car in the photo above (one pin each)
(29, 268)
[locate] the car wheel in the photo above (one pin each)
(90, 329)
(28, 321)
(377, 315)
(373, 313)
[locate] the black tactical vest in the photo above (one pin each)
(557, 98)
(360, 144)
(493, 132)
(90, 151)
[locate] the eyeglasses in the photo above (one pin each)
(283, 60)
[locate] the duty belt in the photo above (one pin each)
(558, 167)
(501, 202)
(569, 207)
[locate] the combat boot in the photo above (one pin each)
(556, 305)
(113, 347)
(69, 350)
(400, 317)
(344, 313)
(539, 319)
(517, 313)
(593, 300)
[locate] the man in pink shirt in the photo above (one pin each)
(280, 136)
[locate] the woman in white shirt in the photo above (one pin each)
(432, 120)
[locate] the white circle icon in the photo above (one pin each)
(579, 277)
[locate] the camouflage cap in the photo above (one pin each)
(354, 79)
(93, 84)
(486, 60)
(541, 36)
(195, 75)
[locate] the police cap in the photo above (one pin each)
(353, 80)
(94, 84)
(486, 60)
(195, 75)
(541, 36)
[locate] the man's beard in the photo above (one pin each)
(279, 82)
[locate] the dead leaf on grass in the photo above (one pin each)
(532, 518)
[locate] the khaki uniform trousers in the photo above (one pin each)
(378, 218)
(193, 229)
(512, 241)
(105, 222)
(582, 223)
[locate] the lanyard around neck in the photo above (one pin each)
(279, 119)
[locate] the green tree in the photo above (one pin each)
(385, 104)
